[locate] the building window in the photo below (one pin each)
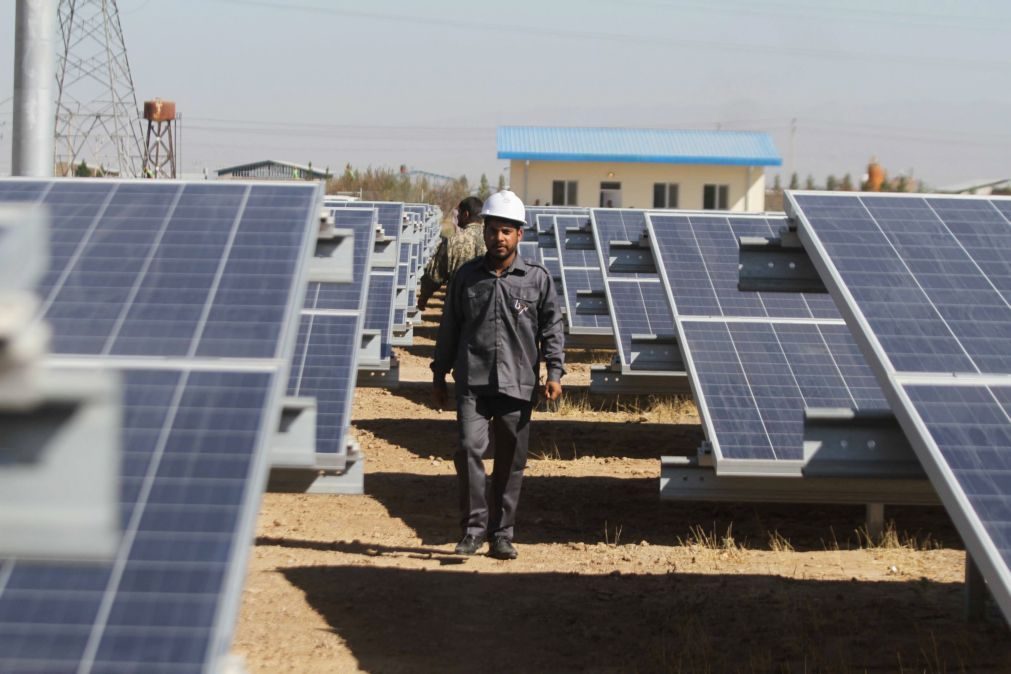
(715, 197)
(563, 193)
(665, 195)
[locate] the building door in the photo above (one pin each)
(610, 195)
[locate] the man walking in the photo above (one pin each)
(500, 319)
(466, 243)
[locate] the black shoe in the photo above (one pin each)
(502, 548)
(469, 544)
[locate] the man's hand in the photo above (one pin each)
(440, 392)
(553, 390)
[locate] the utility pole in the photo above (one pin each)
(793, 136)
(34, 73)
(97, 118)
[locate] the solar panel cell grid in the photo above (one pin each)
(928, 302)
(640, 308)
(757, 378)
(158, 609)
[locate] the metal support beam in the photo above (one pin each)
(34, 124)
(657, 353)
(842, 442)
(777, 265)
(610, 380)
(631, 257)
(333, 261)
(378, 376)
(684, 479)
(591, 302)
(294, 443)
(875, 520)
(976, 593)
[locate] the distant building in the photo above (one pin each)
(638, 168)
(983, 186)
(270, 169)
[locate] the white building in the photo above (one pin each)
(638, 168)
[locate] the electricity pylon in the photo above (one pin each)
(97, 119)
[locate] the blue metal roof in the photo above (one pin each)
(657, 146)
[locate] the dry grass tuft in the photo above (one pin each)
(777, 543)
(701, 539)
(892, 539)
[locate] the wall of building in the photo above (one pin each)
(533, 182)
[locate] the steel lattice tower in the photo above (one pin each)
(97, 118)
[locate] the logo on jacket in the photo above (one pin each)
(520, 307)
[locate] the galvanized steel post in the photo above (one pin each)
(34, 92)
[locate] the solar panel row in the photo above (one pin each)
(923, 283)
(191, 290)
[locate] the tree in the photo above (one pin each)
(831, 184)
(777, 183)
(847, 183)
(901, 184)
(82, 170)
(501, 182)
(794, 181)
(809, 183)
(483, 189)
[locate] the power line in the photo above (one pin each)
(671, 42)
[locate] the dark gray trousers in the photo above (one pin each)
(488, 505)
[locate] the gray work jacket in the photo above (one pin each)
(496, 329)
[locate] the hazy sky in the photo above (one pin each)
(923, 85)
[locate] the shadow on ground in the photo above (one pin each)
(578, 509)
(396, 620)
(554, 438)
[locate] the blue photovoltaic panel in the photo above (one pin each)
(166, 272)
(170, 269)
(923, 283)
(612, 224)
(639, 308)
(326, 371)
(574, 280)
(971, 426)
(533, 211)
(390, 214)
(576, 249)
(379, 308)
(755, 380)
(529, 252)
(192, 444)
(325, 363)
(930, 276)
(698, 257)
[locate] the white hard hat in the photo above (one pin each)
(505, 205)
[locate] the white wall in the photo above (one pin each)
(532, 182)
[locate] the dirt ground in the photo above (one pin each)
(609, 578)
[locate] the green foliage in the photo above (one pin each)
(501, 182)
(847, 183)
(831, 183)
(777, 183)
(794, 181)
(809, 184)
(901, 184)
(380, 184)
(483, 189)
(82, 170)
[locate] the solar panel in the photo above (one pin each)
(579, 273)
(636, 300)
(379, 309)
(756, 378)
(923, 284)
(772, 355)
(639, 307)
(197, 416)
(700, 263)
(325, 363)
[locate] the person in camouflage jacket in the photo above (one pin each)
(466, 243)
